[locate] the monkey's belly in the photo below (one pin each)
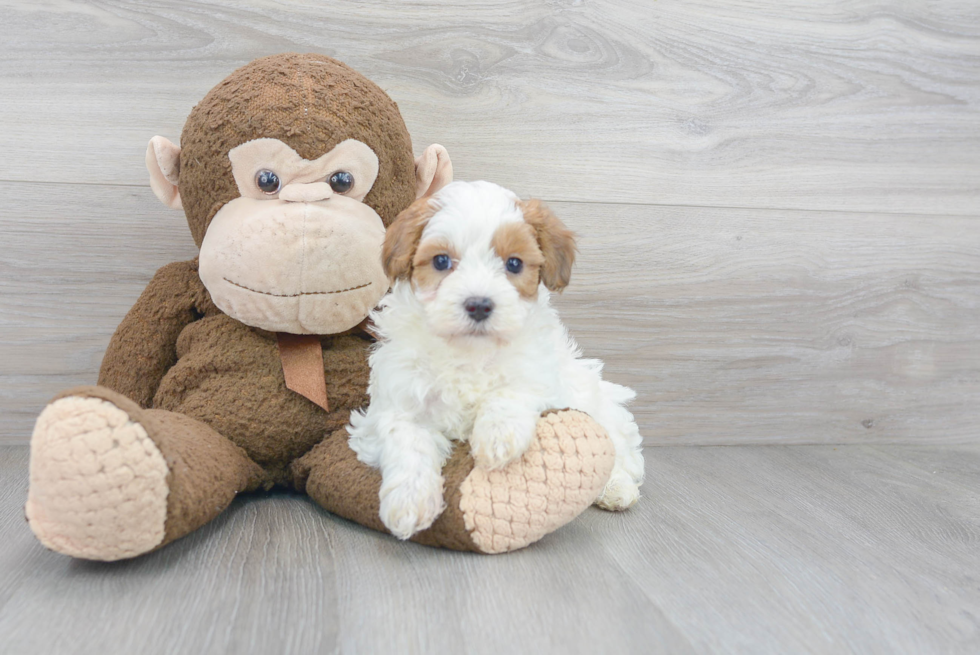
(230, 377)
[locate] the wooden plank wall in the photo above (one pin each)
(778, 203)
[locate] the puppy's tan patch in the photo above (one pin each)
(402, 238)
(520, 240)
(557, 243)
(424, 273)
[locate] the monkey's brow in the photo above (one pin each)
(294, 295)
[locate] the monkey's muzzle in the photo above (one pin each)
(298, 267)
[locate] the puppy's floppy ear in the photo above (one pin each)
(556, 241)
(402, 238)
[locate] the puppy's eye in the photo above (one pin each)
(442, 262)
(515, 265)
(267, 181)
(341, 182)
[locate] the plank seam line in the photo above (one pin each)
(590, 202)
(759, 208)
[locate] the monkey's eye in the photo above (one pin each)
(341, 182)
(267, 181)
(442, 262)
(515, 265)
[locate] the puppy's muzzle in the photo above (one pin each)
(478, 309)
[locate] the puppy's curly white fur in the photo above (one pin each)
(471, 349)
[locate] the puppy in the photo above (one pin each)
(471, 349)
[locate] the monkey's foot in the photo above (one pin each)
(98, 483)
(560, 475)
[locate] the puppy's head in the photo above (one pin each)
(476, 257)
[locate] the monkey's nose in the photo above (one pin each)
(311, 192)
(478, 309)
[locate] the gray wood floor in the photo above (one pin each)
(738, 549)
(779, 210)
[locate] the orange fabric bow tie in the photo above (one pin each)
(302, 366)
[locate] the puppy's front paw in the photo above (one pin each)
(498, 440)
(620, 492)
(411, 506)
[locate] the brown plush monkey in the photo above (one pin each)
(238, 370)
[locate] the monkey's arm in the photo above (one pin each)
(144, 346)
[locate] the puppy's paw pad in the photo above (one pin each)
(495, 444)
(620, 492)
(410, 508)
(495, 454)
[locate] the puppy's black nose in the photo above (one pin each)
(478, 308)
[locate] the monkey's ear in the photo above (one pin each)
(433, 170)
(163, 162)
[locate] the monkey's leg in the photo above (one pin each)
(560, 475)
(110, 480)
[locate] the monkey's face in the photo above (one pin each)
(288, 171)
(299, 251)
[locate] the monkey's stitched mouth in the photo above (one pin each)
(294, 295)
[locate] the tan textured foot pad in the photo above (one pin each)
(98, 485)
(560, 476)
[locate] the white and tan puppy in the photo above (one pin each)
(470, 349)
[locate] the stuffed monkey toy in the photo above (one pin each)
(237, 371)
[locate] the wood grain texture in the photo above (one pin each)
(751, 326)
(870, 105)
(732, 550)
(261, 574)
(734, 326)
(807, 549)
